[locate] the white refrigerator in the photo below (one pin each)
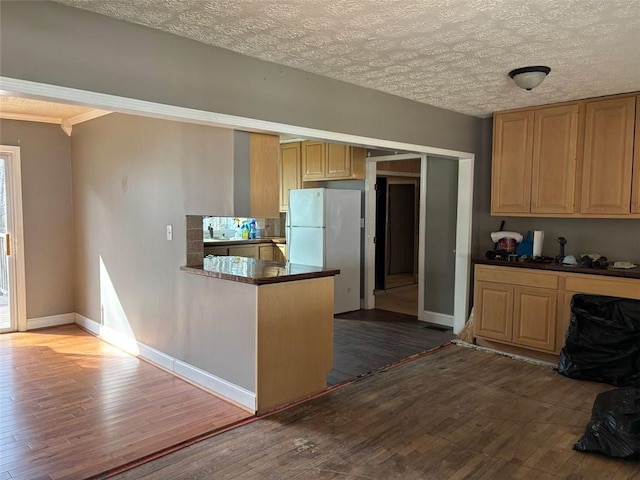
(323, 230)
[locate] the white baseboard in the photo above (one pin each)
(206, 380)
(50, 321)
(215, 384)
(438, 318)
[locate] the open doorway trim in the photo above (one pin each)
(17, 287)
(170, 112)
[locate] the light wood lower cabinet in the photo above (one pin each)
(494, 310)
(272, 253)
(530, 309)
(218, 251)
(249, 251)
(267, 251)
(524, 316)
(534, 318)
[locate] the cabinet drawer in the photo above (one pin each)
(516, 276)
(602, 285)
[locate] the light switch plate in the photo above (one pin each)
(169, 232)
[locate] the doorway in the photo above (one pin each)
(396, 245)
(12, 301)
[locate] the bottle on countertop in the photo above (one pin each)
(252, 229)
(245, 231)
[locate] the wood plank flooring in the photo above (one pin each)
(72, 406)
(401, 300)
(456, 414)
(366, 340)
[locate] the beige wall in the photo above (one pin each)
(47, 214)
(133, 176)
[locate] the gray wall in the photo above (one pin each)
(616, 239)
(440, 234)
(51, 43)
(47, 214)
(132, 176)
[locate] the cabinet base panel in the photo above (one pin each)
(523, 352)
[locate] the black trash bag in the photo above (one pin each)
(603, 341)
(614, 429)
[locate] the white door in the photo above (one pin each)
(12, 302)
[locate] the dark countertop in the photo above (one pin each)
(611, 272)
(214, 242)
(258, 272)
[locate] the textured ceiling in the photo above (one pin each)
(454, 54)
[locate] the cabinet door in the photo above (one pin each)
(279, 252)
(338, 161)
(534, 322)
(358, 162)
(635, 189)
(289, 172)
(512, 155)
(263, 157)
(555, 141)
(494, 316)
(313, 160)
(265, 252)
(608, 155)
(218, 251)
(250, 251)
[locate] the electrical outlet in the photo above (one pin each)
(169, 232)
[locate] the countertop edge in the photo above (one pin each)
(290, 277)
(633, 273)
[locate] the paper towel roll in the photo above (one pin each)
(538, 239)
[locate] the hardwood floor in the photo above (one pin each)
(400, 300)
(72, 406)
(366, 340)
(456, 414)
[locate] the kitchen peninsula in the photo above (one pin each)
(275, 322)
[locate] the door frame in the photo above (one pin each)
(466, 160)
(17, 287)
(463, 233)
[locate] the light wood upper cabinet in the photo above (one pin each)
(314, 156)
(290, 174)
(608, 156)
(331, 161)
(635, 188)
(338, 161)
(512, 157)
(574, 159)
(255, 191)
(555, 141)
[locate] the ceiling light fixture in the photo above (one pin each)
(529, 77)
